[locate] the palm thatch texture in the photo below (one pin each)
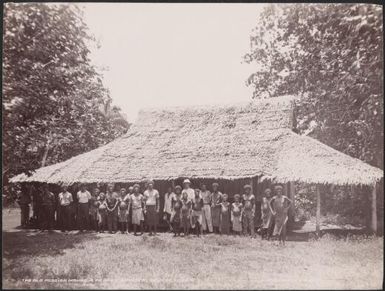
(221, 142)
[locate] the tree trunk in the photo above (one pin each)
(318, 213)
(374, 210)
(45, 155)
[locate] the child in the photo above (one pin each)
(102, 212)
(186, 213)
(176, 215)
(123, 212)
(236, 215)
(137, 202)
(225, 216)
(197, 214)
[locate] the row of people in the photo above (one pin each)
(184, 209)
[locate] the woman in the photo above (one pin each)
(266, 214)
(216, 200)
(112, 201)
(137, 203)
(279, 206)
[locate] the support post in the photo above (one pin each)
(374, 209)
(318, 212)
(292, 198)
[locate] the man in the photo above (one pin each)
(169, 199)
(65, 200)
(48, 209)
(266, 215)
(206, 210)
(248, 210)
(216, 200)
(279, 206)
(93, 209)
(127, 200)
(186, 189)
(83, 207)
(151, 197)
(24, 200)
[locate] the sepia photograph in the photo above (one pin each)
(221, 146)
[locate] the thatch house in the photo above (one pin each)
(230, 143)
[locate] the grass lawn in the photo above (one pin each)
(126, 262)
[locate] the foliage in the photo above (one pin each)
(330, 55)
(52, 93)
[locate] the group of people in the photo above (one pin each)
(185, 210)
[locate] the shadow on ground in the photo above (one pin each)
(32, 243)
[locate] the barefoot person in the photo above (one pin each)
(197, 205)
(83, 207)
(24, 200)
(123, 212)
(225, 216)
(266, 214)
(236, 215)
(248, 211)
(48, 211)
(94, 205)
(102, 212)
(112, 201)
(186, 213)
(176, 213)
(65, 200)
(279, 206)
(216, 200)
(207, 224)
(151, 196)
(137, 203)
(169, 200)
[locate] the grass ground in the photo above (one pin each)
(57, 261)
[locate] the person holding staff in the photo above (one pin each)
(279, 206)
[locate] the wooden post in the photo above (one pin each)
(374, 209)
(318, 212)
(292, 198)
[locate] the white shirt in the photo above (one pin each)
(65, 198)
(190, 193)
(83, 197)
(151, 196)
(168, 197)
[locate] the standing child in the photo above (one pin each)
(236, 215)
(197, 213)
(186, 213)
(137, 202)
(102, 212)
(225, 216)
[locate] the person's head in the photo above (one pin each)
(65, 188)
(267, 192)
(278, 189)
(237, 197)
(123, 191)
(247, 189)
(225, 197)
(150, 185)
(102, 196)
(178, 190)
(196, 193)
(186, 184)
(83, 187)
(203, 187)
(96, 191)
(215, 187)
(130, 189)
(169, 189)
(110, 188)
(136, 188)
(184, 196)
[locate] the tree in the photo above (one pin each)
(51, 91)
(331, 56)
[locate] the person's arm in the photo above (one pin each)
(270, 205)
(157, 201)
(231, 213)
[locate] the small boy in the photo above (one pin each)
(186, 213)
(197, 214)
(236, 215)
(225, 216)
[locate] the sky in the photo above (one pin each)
(157, 55)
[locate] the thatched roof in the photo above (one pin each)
(227, 142)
